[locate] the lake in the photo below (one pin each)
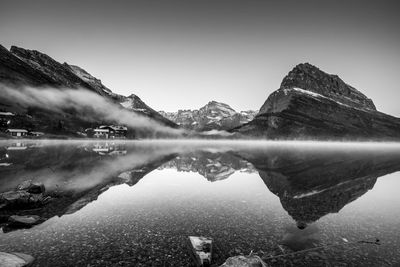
(134, 203)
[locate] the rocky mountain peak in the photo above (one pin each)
(134, 97)
(135, 103)
(88, 78)
(308, 77)
(217, 107)
(3, 49)
(313, 105)
(213, 116)
(213, 102)
(57, 72)
(35, 58)
(25, 53)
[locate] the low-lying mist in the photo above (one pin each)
(91, 169)
(88, 105)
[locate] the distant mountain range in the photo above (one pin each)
(213, 116)
(309, 104)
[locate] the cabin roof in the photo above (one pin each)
(16, 130)
(113, 127)
(6, 114)
(118, 127)
(101, 130)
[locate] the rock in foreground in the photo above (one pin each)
(15, 259)
(27, 195)
(31, 187)
(23, 221)
(244, 261)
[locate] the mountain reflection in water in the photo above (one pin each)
(310, 181)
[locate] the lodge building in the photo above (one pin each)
(110, 131)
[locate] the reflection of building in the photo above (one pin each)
(101, 133)
(17, 132)
(17, 146)
(109, 149)
(112, 131)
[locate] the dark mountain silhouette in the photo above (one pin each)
(311, 104)
(20, 67)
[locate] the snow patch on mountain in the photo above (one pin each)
(213, 116)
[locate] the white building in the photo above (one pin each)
(110, 131)
(36, 133)
(101, 133)
(17, 132)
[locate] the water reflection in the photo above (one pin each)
(309, 182)
(214, 166)
(299, 238)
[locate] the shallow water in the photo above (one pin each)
(136, 203)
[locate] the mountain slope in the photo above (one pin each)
(15, 71)
(21, 67)
(58, 73)
(213, 116)
(131, 102)
(311, 104)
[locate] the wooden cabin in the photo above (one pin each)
(17, 132)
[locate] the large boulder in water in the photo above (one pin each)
(15, 259)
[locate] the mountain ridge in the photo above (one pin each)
(312, 104)
(21, 67)
(212, 116)
(309, 104)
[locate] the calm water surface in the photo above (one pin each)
(136, 203)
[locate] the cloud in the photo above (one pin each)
(89, 106)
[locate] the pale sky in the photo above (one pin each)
(183, 54)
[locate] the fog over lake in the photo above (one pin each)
(132, 203)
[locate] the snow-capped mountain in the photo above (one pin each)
(213, 116)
